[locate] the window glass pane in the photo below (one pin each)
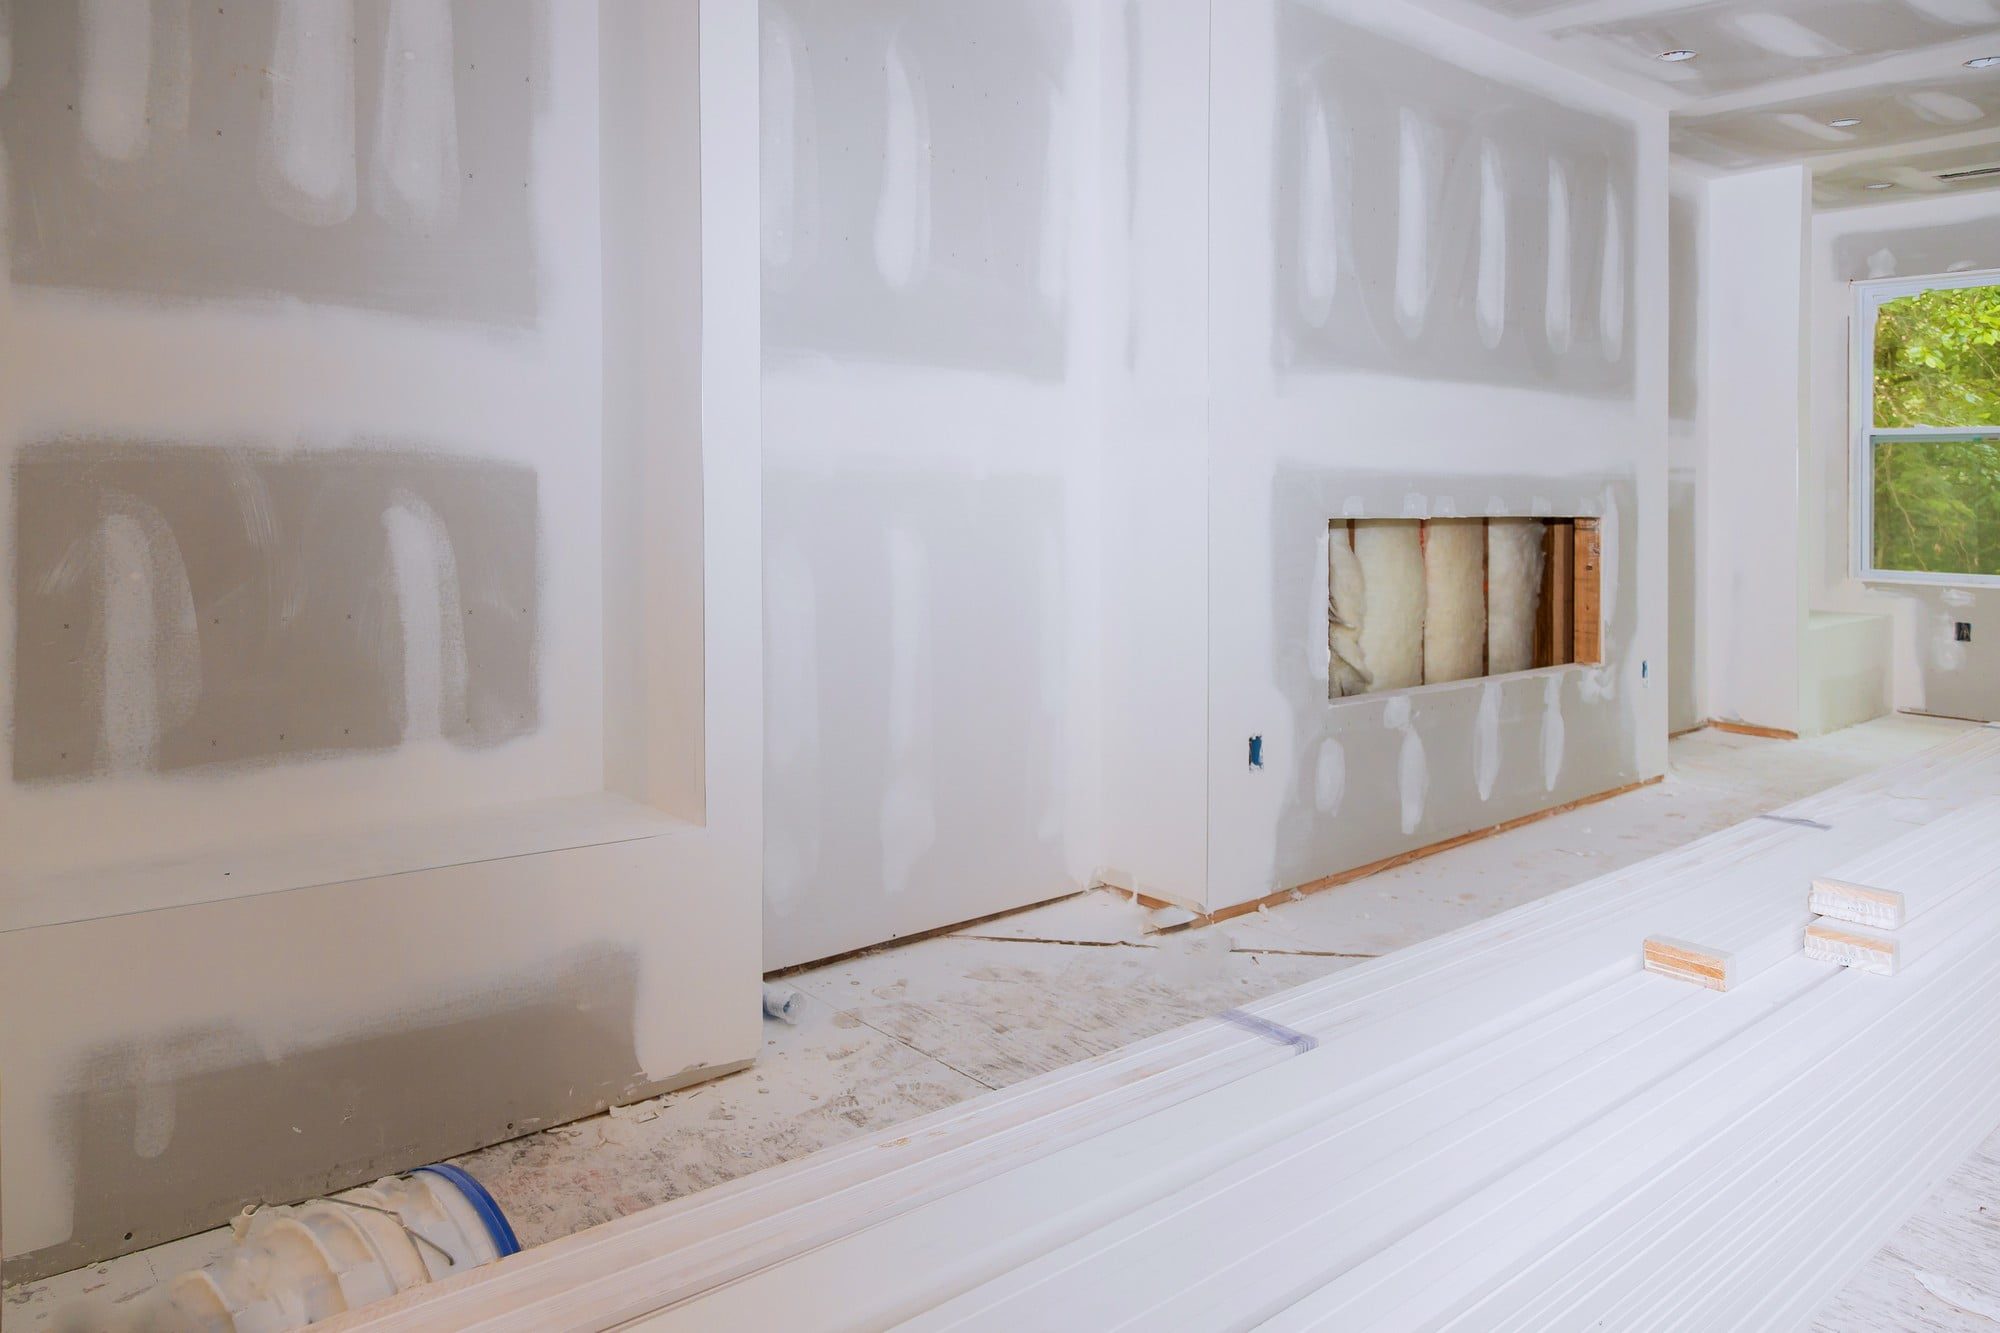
(1937, 505)
(1937, 358)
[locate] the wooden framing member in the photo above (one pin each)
(1586, 594)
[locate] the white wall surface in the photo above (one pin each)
(1154, 536)
(1035, 554)
(1931, 670)
(1755, 389)
(931, 410)
(1389, 338)
(272, 980)
(1688, 497)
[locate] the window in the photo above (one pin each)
(1927, 430)
(1423, 601)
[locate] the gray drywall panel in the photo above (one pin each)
(913, 207)
(180, 606)
(279, 149)
(1436, 223)
(1374, 775)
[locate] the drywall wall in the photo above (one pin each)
(1753, 250)
(1931, 670)
(271, 869)
(1045, 495)
(1688, 301)
(1438, 290)
(1153, 538)
(930, 427)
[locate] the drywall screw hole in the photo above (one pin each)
(128, 1235)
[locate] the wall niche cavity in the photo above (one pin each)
(1425, 601)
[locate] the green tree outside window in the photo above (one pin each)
(1937, 365)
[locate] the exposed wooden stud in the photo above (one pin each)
(1586, 604)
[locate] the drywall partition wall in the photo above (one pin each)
(1437, 290)
(1932, 671)
(1754, 256)
(1687, 478)
(315, 867)
(1153, 539)
(930, 455)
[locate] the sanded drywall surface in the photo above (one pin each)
(280, 1043)
(930, 463)
(1485, 295)
(1931, 670)
(1754, 247)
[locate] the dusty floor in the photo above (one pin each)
(904, 1030)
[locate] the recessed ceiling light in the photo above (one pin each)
(1675, 57)
(1982, 62)
(1845, 122)
(1880, 185)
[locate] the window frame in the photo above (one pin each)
(1864, 436)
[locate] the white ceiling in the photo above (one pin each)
(1769, 76)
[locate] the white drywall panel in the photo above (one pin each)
(930, 415)
(1350, 381)
(1932, 670)
(1153, 696)
(1754, 251)
(1687, 478)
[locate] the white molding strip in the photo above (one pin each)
(1509, 1126)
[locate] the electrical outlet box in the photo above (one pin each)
(1256, 752)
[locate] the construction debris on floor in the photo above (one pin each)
(898, 1033)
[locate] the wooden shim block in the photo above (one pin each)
(1839, 942)
(1687, 962)
(1587, 605)
(1843, 900)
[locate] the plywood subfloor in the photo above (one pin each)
(895, 1033)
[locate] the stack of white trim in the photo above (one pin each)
(1864, 907)
(1512, 1126)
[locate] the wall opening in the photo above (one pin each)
(1422, 601)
